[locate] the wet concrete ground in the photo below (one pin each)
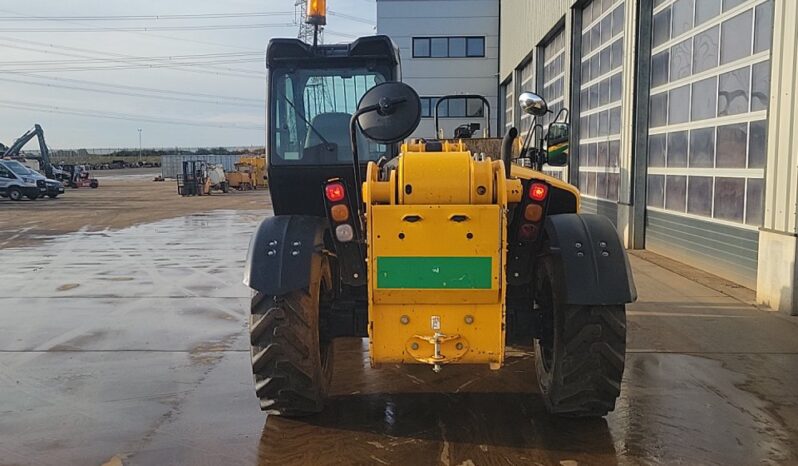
(130, 347)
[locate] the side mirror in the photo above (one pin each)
(533, 104)
(389, 112)
(557, 144)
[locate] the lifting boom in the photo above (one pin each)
(43, 158)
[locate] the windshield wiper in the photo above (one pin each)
(327, 144)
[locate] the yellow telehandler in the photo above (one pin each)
(437, 255)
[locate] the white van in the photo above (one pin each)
(54, 187)
(16, 182)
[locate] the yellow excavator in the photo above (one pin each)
(436, 254)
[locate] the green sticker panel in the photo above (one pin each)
(457, 273)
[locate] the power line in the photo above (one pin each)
(131, 59)
(121, 58)
(357, 19)
(134, 94)
(122, 116)
(148, 17)
(139, 88)
(193, 41)
(129, 66)
(152, 34)
(211, 27)
(341, 34)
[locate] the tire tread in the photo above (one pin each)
(592, 362)
(288, 379)
(590, 349)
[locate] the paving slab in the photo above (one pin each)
(130, 346)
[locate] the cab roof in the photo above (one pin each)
(377, 47)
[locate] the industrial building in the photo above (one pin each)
(673, 138)
(679, 134)
(447, 47)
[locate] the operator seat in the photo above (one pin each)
(334, 127)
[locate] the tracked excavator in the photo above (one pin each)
(43, 158)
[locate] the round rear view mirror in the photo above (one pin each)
(389, 112)
(533, 104)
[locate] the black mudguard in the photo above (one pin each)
(592, 261)
(281, 252)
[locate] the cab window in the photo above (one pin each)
(17, 167)
(6, 173)
(311, 113)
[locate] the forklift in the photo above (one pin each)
(78, 176)
(199, 179)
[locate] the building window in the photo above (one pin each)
(476, 46)
(600, 98)
(527, 78)
(421, 47)
(554, 76)
(448, 47)
(553, 85)
(457, 47)
(709, 95)
(439, 47)
(509, 104)
(460, 107)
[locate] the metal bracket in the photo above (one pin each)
(444, 348)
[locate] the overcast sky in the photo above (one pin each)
(54, 77)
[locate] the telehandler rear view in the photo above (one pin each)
(437, 255)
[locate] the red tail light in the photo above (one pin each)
(538, 191)
(335, 192)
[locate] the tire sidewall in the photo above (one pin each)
(14, 194)
(326, 353)
(546, 379)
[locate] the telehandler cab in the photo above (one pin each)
(437, 255)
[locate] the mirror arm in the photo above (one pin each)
(532, 133)
(353, 126)
(542, 155)
(528, 138)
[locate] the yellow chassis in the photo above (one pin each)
(437, 243)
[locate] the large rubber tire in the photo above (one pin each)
(581, 353)
(15, 194)
(291, 364)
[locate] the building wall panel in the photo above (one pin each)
(524, 24)
(402, 20)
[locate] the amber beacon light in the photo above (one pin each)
(317, 12)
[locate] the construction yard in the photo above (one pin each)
(126, 198)
(125, 342)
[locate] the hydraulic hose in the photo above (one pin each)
(507, 149)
